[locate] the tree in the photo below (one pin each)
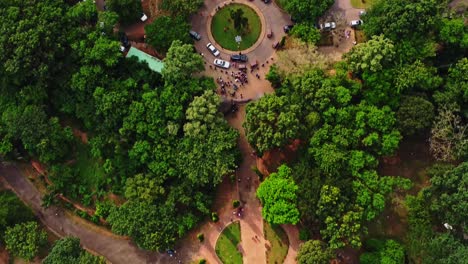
(152, 227)
(68, 251)
(129, 11)
(454, 95)
(314, 252)
(24, 240)
(448, 195)
(410, 77)
(241, 22)
(445, 249)
(414, 115)
(278, 195)
(107, 20)
(12, 211)
(410, 18)
(307, 10)
(181, 7)
(181, 62)
(382, 251)
(273, 76)
(144, 188)
(448, 139)
(373, 55)
(32, 45)
(454, 32)
(271, 122)
(164, 30)
(202, 115)
(306, 32)
(83, 13)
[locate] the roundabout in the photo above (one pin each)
(271, 19)
(230, 37)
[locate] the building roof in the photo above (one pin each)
(154, 64)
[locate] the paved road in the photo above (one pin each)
(274, 19)
(113, 248)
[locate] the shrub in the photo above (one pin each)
(201, 237)
(202, 261)
(235, 203)
(214, 217)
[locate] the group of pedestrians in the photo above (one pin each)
(229, 85)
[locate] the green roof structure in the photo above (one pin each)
(154, 64)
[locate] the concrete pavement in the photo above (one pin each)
(114, 248)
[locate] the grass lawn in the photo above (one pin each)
(279, 243)
(226, 246)
(90, 170)
(361, 3)
(224, 33)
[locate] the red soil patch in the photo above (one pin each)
(4, 258)
(272, 159)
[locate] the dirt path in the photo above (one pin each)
(114, 248)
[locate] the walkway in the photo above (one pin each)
(114, 248)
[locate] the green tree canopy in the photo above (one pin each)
(241, 22)
(307, 10)
(382, 251)
(306, 32)
(129, 11)
(164, 30)
(181, 62)
(68, 251)
(24, 240)
(373, 55)
(448, 195)
(454, 32)
(314, 252)
(12, 211)
(271, 122)
(278, 195)
(181, 7)
(414, 115)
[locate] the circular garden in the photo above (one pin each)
(236, 20)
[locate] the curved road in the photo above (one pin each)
(114, 248)
(274, 20)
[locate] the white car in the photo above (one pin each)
(222, 63)
(328, 26)
(212, 49)
(144, 17)
(356, 23)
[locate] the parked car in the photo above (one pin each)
(239, 57)
(287, 28)
(143, 17)
(212, 49)
(222, 63)
(355, 23)
(194, 35)
(328, 26)
(124, 42)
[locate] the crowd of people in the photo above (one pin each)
(230, 84)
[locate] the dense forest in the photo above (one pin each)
(407, 82)
(159, 142)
